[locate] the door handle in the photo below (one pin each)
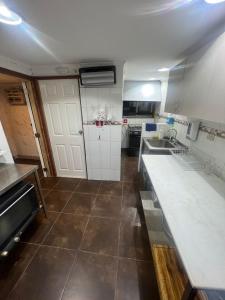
(80, 132)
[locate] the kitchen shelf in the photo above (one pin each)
(157, 228)
(170, 275)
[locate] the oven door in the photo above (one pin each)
(17, 208)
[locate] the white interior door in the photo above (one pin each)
(63, 114)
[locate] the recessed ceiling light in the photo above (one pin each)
(163, 70)
(9, 17)
(214, 1)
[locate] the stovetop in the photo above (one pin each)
(134, 127)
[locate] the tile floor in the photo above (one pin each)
(93, 246)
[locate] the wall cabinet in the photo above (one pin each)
(103, 151)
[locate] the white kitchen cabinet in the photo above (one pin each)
(103, 151)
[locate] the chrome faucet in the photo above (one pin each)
(172, 133)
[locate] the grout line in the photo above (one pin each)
(68, 275)
(88, 219)
(118, 252)
(90, 252)
(83, 235)
(115, 256)
(116, 280)
(54, 222)
(24, 271)
(77, 186)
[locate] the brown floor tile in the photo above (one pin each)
(56, 200)
(132, 160)
(45, 192)
(136, 281)
(39, 228)
(49, 182)
(101, 236)
(46, 275)
(131, 196)
(130, 175)
(130, 171)
(88, 186)
(66, 184)
(130, 188)
(134, 242)
(129, 214)
(107, 206)
(80, 204)
(113, 188)
(92, 278)
(12, 267)
(67, 231)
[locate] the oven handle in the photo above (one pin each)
(2, 213)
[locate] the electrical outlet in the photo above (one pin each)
(211, 136)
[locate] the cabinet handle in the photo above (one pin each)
(99, 137)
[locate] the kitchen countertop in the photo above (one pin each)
(193, 204)
(11, 174)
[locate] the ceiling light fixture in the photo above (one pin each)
(163, 70)
(9, 17)
(214, 1)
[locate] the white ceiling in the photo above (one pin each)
(146, 34)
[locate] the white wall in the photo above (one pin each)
(14, 65)
(210, 152)
(107, 98)
(136, 91)
(55, 70)
(200, 90)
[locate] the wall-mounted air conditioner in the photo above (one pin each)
(97, 76)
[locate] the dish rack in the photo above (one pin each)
(187, 159)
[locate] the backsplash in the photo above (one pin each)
(209, 146)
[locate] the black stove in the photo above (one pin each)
(134, 136)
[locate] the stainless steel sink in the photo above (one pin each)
(160, 144)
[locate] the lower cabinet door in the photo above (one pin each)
(105, 154)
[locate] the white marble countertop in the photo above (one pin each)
(194, 206)
(11, 174)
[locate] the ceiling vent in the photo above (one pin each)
(97, 76)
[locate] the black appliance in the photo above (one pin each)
(139, 108)
(134, 140)
(18, 207)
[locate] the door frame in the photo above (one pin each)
(34, 127)
(38, 113)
